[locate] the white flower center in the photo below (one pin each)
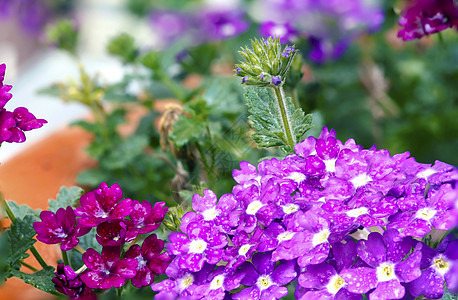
(197, 246)
(228, 30)
(330, 165)
(320, 237)
(264, 282)
(297, 177)
(210, 214)
(116, 238)
(426, 213)
(244, 249)
(253, 207)
(185, 282)
(360, 180)
(385, 272)
(441, 265)
(354, 213)
(285, 236)
(217, 282)
(279, 30)
(290, 208)
(335, 284)
(426, 173)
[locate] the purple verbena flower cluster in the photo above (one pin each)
(14, 123)
(205, 24)
(330, 26)
(118, 222)
(424, 17)
(339, 221)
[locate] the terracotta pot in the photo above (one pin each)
(32, 177)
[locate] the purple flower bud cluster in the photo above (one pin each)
(329, 25)
(118, 222)
(202, 25)
(339, 220)
(14, 123)
(424, 17)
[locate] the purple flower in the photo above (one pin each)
(13, 124)
(107, 270)
(115, 233)
(199, 244)
(220, 281)
(438, 268)
(103, 204)
(150, 260)
(285, 32)
(169, 25)
(386, 268)
(424, 17)
(243, 248)
(264, 280)
(276, 80)
(59, 227)
(214, 24)
(68, 283)
(147, 218)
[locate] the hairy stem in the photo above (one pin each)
(280, 97)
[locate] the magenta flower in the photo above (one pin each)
(285, 31)
(150, 260)
(107, 270)
(13, 124)
(147, 218)
(103, 204)
(68, 283)
(59, 227)
(115, 233)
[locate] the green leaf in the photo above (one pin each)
(20, 211)
(448, 295)
(125, 152)
(186, 130)
(19, 240)
(151, 60)
(42, 279)
(65, 197)
(63, 35)
(91, 177)
(124, 47)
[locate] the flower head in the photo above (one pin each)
(103, 204)
(107, 270)
(69, 283)
(60, 227)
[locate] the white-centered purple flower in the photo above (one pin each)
(103, 204)
(60, 227)
(264, 280)
(386, 268)
(199, 244)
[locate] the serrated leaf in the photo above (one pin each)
(448, 295)
(20, 239)
(186, 130)
(20, 211)
(65, 197)
(125, 152)
(42, 279)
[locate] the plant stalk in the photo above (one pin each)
(65, 258)
(13, 219)
(280, 97)
(30, 267)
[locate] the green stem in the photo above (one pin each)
(172, 86)
(79, 249)
(280, 97)
(65, 258)
(32, 268)
(13, 219)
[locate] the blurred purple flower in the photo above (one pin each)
(169, 25)
(59, 227)
(214, 25)
(285, 31)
